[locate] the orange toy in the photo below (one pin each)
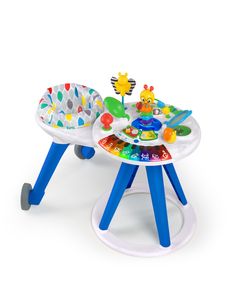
(145, 108)
(169, 135)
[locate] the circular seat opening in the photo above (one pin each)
(70, 106)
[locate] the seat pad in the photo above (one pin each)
(70, 106)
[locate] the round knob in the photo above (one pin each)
(106, 120)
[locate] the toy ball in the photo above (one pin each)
(169, 135)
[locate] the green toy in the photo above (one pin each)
(182, 130)
(115, 107)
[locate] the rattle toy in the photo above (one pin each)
(149, 133)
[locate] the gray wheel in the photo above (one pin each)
(24, 200)
(78, 152)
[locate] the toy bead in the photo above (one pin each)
(106, 120)
(139, 105)
(169, 135)
(156, 111)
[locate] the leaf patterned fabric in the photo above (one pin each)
(70, 106)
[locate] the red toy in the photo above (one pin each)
(106, 120)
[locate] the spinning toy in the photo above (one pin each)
(148, 133)
(146, 121)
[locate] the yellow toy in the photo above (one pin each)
(145, 106)
(169, 135)
(165, 110)
(123, 85)
(147, 96)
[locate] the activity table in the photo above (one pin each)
(123, 144)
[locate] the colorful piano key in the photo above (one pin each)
(133, 152)
(117, 148)
(127, 150)
(155, 156)
(144, 154)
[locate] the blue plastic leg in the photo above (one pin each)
(53, 157)
(87, 152)
(171, 173)
(156, 185)
(124, 176)
(132, 178)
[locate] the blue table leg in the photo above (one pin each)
(156, 185)
(171, 173)
(53, 157)
(132, 178)
(123, 178)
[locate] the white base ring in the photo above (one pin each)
(180, 239)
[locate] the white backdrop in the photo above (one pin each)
(186, 50)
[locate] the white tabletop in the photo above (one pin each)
(182, 147)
